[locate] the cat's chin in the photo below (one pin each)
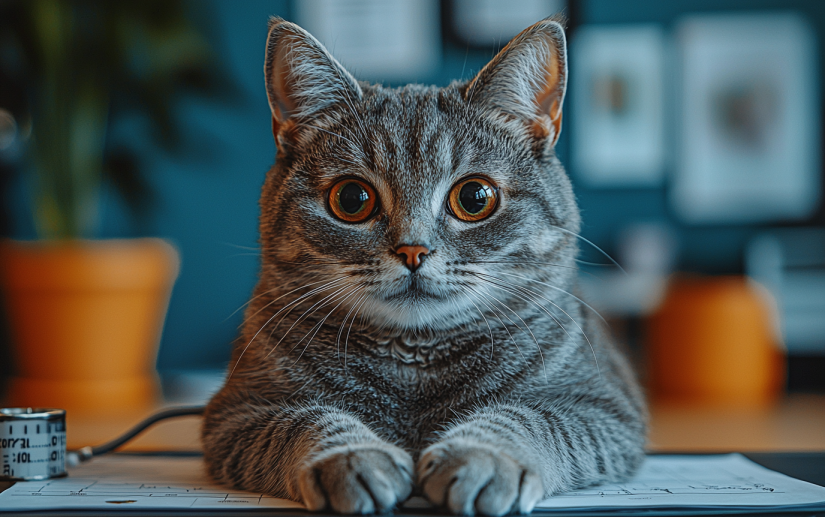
(417, 312)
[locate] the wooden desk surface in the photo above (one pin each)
(797, 423)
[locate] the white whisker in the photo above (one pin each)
(346, 341)
(545, 284)
(572, 320)
(576, 235)
(317, 305)
(321, 323)
(536, 341)
(512, 322)
(325, 286)
(496, 313)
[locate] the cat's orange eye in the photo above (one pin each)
(472, 199)
(352, 200)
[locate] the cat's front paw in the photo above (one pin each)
(470, 478)
(356, 479)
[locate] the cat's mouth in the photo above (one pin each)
(413, 288)
(417, 302)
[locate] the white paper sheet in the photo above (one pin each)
(162, 482)
(134, 482)
(729, 481)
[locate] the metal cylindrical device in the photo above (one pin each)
(32, 444)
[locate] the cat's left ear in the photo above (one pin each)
(527, 79)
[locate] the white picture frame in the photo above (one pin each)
(749, 132)
(377, 40)
(492, 23)
(618, 129)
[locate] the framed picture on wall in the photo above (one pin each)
(617, 99)
(377, 40)
(749, 132)
(492, 23)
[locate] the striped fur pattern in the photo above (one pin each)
(479, 380)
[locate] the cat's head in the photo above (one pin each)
(417, 207)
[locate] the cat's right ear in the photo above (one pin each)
(302, 79)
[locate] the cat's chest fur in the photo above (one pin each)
(407, 384)
(413, 352)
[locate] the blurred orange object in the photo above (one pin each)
(86, 318)
(714, 342)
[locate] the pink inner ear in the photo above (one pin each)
(549, 97)
(284, 104)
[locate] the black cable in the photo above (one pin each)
(87, 453)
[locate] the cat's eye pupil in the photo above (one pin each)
(352, 197)
(474, 196)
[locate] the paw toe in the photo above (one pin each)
(311, 492)
(471, 479)
(532, 491)
(357, 481)
(382, 491)
(462, 493)
(499, 496)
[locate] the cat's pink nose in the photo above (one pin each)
(412, 255)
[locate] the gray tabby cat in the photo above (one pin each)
(413, 326)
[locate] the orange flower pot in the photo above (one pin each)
(86, 319)
(713, 342)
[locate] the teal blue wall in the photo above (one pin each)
(207, 201)
(209, 205)
(706, 249)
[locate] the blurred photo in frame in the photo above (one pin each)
(378, 40)
(492, 23)
(617, 100)
(749, 134)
